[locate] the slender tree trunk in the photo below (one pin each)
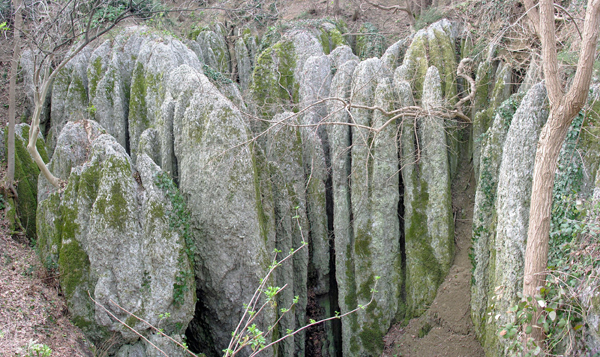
(546, 158)
(12, 102)
(336, 7)
(35, 130)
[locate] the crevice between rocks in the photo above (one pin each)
(401, 226)
(326, 337)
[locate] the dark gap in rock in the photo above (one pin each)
(175, 173)
(336, 326)
(401, 227)
(351, 220)
(126, 110)
(127, 140)
(197, 334)
(320, 338)
(517, 76)
(46, 124)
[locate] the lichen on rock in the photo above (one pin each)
(112, 239)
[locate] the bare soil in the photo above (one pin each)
(32, 308)
(445, 329)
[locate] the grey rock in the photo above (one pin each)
(428, 211)
(244, 64)
(532, 76)
(484, 119)
(150, 144)
(277, 73)
(72, 150)
(484, 223)
(115, 240)
(340, 143)
(26, 62)
(216, 175)
(341, 55)
(165, 345)
(377, 253)
(156, 59)
(394, 55)
(513, 199)
(69, 95)
(305, 45)
(365, 242)
(214, 49)
(291, 201)
(315, 81)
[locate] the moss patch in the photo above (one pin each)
(273, 81)
(26, 175)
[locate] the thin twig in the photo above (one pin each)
(124, 324)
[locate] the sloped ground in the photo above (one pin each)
(32, 309)
(445, 329)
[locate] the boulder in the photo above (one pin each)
(69, 95)
(484, 214)
(483, 119)
(112, 235)
(512, 204)
(217, 175)
(215, 52)
(428, 224)
(278, 70)
(109, 76)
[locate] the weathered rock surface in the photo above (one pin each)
(284, 154)
(512, 202)
(217, 177)
(69, 95)
(340, 143)
(215, 52)
(113, 239)
(484, 214)
(109, 76)
(428, 222)
(483, 119)
(278, 69)
(362, 199)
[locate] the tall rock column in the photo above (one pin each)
(512, 204)
(484, 214)
(340, 142)
(428, 225)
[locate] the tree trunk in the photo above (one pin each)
(33, 134)
(336, 7)
(546, 158)
(12, 102)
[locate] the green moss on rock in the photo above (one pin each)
(26, 176)
(273, 82)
